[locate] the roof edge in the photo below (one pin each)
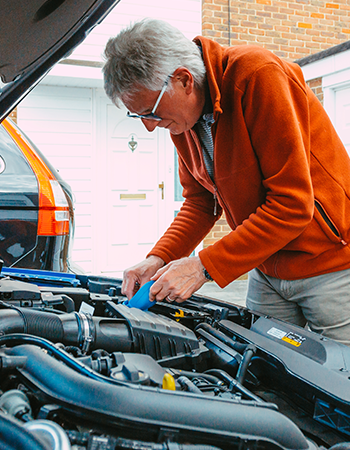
(324, 54)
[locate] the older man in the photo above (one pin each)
(253, 141)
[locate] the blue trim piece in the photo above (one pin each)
(41, 277)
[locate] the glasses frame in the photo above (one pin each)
(152, 115)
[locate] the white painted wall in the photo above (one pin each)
(183, 14)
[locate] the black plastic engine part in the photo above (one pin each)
(18, 290)
(312, 370)
(140, 369)
(81, 295)
(19, 293)
(127, 367)
(158, 336)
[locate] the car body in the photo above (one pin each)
(81, 370)
(36, 206)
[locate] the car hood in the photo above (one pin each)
(35, 35)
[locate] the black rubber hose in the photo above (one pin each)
(234, 384)
(188, 385)
(211, 378)
(68, 328)
(249, 352)
(14, 436)
(68, 303)
(237, 346)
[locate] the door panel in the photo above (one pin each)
(130, 187)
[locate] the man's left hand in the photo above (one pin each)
(178, 280)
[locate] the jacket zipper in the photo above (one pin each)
(329, 223)
(199, 146)
(215, 201)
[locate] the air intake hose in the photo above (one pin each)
(78, 329)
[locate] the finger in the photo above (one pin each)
(130, 286)
(159, 291)
(160, 272)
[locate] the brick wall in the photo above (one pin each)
(316, 86)
(219, 230)
(290, 29)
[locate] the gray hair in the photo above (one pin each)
(144, 55)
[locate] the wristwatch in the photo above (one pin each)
(207, 275)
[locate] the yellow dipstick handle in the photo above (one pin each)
(168, 382)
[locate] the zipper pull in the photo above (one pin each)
(215, 202)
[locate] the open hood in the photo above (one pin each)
(35, 35)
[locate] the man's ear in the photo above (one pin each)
(184, 76)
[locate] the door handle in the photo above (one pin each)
(161, 186)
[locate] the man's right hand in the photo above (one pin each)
(138, 275)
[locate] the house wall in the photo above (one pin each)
(290, 29)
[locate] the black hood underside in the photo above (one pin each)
(35, 35)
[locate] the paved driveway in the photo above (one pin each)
(233, 293)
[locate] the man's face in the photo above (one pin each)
(179, 108)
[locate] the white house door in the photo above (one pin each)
(130, 211)
(342, 119)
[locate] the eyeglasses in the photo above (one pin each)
(152, 115)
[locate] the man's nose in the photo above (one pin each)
(150, 124)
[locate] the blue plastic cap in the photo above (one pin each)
(141, 299)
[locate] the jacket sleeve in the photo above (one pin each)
(275, 113)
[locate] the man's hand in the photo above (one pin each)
(138, 275)
(178, 280)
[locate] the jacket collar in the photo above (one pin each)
(213, 61)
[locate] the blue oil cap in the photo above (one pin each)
(141, 299)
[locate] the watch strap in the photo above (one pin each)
(207, 275)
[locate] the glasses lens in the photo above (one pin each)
(146, 116)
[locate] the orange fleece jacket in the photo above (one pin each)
(281, 174)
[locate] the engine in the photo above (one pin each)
(80, 370)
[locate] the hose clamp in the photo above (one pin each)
(86, 331)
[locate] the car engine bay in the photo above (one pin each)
(81, 370)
